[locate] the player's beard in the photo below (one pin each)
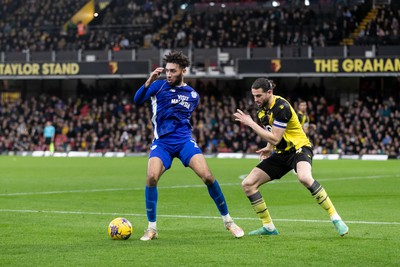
(264, 103)
(178, 80)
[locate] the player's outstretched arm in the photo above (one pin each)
(143, 93)
(274, 136)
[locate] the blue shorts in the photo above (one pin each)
(167, 149)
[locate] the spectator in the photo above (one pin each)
(49, 134)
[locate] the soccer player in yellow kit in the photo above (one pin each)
(303, 116)
(288, 148)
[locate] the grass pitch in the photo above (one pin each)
(55, 212)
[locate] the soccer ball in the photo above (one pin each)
(120, 229)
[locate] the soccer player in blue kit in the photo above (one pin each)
(172, 103)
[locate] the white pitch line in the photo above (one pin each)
(185, 216)
(185, 186)
(105, 190)
(100, 190)
(337, 179)
(70, 191)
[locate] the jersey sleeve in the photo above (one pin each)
(282, 115)
(144, 94)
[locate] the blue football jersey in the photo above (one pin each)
(171, 107)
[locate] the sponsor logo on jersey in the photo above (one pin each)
(181, 100)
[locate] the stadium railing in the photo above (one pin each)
(203, 55)
(218, 62)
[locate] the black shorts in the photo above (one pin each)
(277, 165)
(47, 140)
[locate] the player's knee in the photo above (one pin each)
(246, 186)
(207, 178)
(305, 179)
(152, 179)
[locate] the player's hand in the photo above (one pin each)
(154, 76)
(264, 152)
(243, 117)
(156, 73)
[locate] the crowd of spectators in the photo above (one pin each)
(365, 126)
(45, 25)
(35, 25)
(113, 123)
(382, 30)
(253, 27)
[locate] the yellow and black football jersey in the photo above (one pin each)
(282, 115)
(303, 118)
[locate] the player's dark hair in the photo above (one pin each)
(264, 84)
(177, 57)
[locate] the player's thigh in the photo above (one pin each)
(304, 173)
(160, 151)
(155, 167)
(188, 150)
(199, 165)
(303, 163)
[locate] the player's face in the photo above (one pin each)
(261, 98)
(174, 74)
(303, 106)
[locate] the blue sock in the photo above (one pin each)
(216, 194)
(151, 195)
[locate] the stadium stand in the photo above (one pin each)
(112, 123)
(40, 25)
(37, 31)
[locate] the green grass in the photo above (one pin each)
(55, 212)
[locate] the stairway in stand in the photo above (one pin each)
(363, 24)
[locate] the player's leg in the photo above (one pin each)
(304, 174)
(250, 185)
(159, 162)
(191, 156)
(154, 170)
(199, 166)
